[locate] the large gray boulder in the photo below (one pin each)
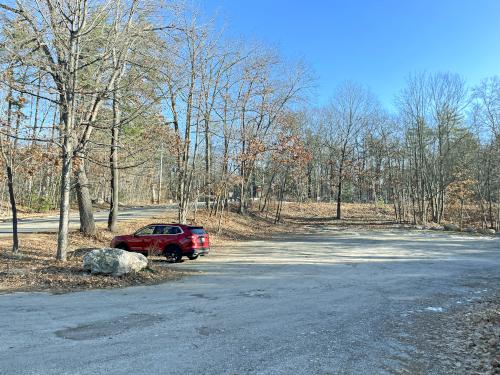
(451, 227)
(114, 262)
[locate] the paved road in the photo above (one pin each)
(331, 302)
(51, 223)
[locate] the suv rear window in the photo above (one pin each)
(197, 230)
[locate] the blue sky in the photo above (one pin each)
(376, 43)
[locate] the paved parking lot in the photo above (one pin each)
(327, 302)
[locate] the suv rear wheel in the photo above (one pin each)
(173, 254)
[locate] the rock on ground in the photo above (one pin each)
(451, 227)
(114, 262)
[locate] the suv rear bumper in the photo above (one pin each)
(198, 251)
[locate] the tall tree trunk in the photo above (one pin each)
(67, 117)
(242, 206)
(281, 196)
(8, 160)
(160, 175)
(87, 223)
(62, 235)
(15, 239)
(115, 132)
(67, 105)
(208, 157)
(339, 200)
(339, 193)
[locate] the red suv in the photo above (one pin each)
(172, 240)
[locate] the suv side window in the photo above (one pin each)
(174, 230)
(145, 231)
(161, 229)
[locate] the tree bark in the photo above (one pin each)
(87, 223)
(115, 131)
(62, 235)
(15, 238)
(208, 161)
(339, 186)
(8, 159)
(339, 198)
(160, 175)
(67, 116)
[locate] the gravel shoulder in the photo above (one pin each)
(464, 339)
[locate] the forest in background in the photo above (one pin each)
(118, 102)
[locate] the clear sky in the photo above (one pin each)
(373, 42)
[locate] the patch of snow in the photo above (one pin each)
(435, 309)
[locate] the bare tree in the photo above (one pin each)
(347, 116)
(60, 33)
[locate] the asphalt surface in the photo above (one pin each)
(51, 223)
(328, 302)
